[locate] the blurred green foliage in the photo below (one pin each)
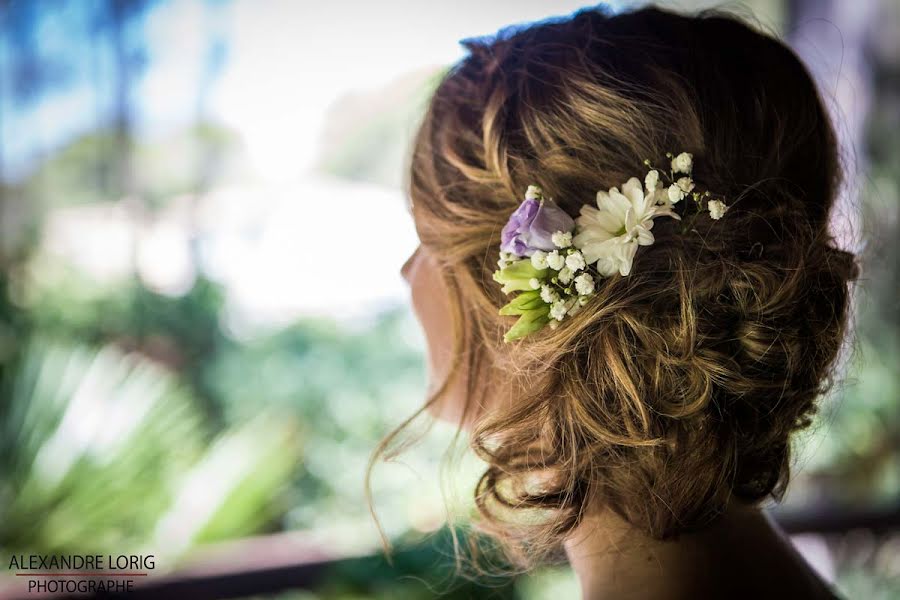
(99, 448)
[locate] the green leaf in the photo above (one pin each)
(528, 323)
(524, 268)
(522, 303)
(516, 277)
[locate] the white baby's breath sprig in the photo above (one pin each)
(548, 294)
(675, 193)
(575, 261)
(555, 260)
(685, 183)
(539, 259)
(562, 239)
(717, 209)
(505, 260)
(558, 310)
(683, 163)
(584, 284)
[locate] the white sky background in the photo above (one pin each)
(293, 59)
(288, 62)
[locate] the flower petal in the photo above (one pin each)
(644, 236)
(549, 219)
(617, 204)
(631, 219)
(599, 219)
(517, 224)
(627, 256)
(607, 266)
(666, 210)
(634, 191)
(595, 250)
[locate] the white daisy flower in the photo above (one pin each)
(555, 260)
(565, 275)
(610, 234)
(562, 239)
(584, 284)
(539, 259)
(716, 209)
(575, 261)
(683, 163)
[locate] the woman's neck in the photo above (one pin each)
(741, 555)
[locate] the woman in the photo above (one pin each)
(638, 421)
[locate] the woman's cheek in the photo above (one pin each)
(432, 308)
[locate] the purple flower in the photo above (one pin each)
(531, 226)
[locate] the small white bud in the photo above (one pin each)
(534, 193)
(534, 283)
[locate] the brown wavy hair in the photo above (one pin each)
(678, 387)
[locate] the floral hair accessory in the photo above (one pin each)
(554, 262)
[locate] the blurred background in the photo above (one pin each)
(185, 373)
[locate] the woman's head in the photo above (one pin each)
(676, 389)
